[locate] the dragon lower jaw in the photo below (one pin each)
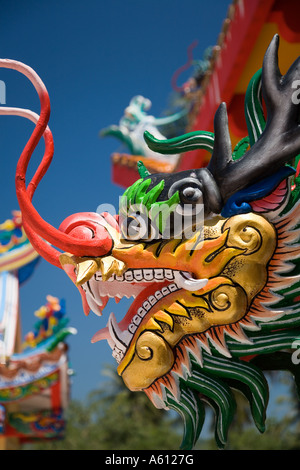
(120, 335)
(147, 287)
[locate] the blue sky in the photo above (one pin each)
(93, 57)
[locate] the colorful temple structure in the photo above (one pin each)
(34, 374)
(238, 54)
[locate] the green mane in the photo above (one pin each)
(213, 380)
(137, 198)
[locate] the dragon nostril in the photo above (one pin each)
(92, 228)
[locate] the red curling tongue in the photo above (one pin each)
(138, 301)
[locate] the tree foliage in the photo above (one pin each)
(114, 418)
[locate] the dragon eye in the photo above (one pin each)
(189, 189)
(190, 195)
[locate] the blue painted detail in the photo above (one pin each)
(239, 203)
(26, 271)
(6, 235)
(2, 419)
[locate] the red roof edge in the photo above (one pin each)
(239, 36)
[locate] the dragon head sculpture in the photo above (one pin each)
(210, 255)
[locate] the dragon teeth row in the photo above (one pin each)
(139, 275)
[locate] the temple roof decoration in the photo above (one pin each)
(130, 132)
(222, 76)
(16, 252)
(34, 375)
(37, 378)
(18, 260)
(182, 341)
(51, 323)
